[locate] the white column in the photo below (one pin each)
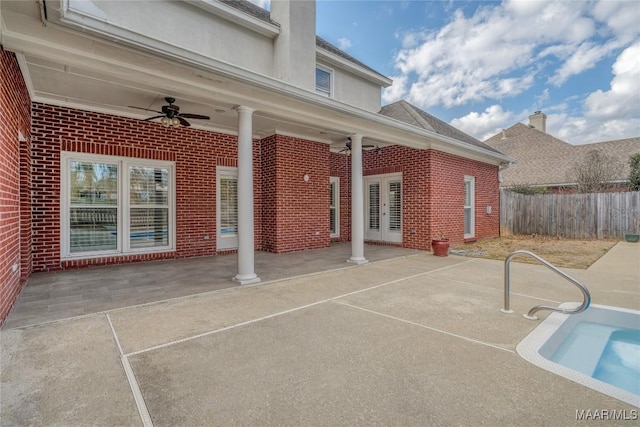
(357, 203)
(246, 269)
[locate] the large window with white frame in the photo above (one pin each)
(324, 81)
(469, 210)
(115, 205)
(334, 206)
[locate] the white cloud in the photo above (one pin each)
(584, 57)
(608, 115)
(396, 91)
(620, 17)
(582, 130)
(483, 125)
(344, 43)
(492, 54)
(623, 100)
(501, 51)
(542, 97)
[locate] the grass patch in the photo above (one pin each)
(568, 253)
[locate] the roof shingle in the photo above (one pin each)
(410, 114)
(546, 160)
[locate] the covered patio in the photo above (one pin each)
(58, 295)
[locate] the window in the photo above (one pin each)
(227, 207)
(113, 205)
(334, 206)
(324, 77)
(469, 203)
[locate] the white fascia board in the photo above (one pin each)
(236, 16)
(446, 144)
(26, 76)
(334, 59)
(294, 135)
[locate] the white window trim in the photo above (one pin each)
(123, 206)
(331, 82)
(336, 181)
(472, 219)
(229, 241)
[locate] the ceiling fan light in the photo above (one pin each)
(165, 121)
(175, 122)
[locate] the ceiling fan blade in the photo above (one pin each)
(183, 122)
(145, 109)
(194, 116)
(154, 117)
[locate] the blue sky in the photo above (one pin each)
(483, 66)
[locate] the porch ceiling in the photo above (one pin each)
(81, 69)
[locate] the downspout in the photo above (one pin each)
(503, 166)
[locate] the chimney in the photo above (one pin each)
(295, 46)
(538, 120)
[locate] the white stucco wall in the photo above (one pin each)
(355, 90)
(191, 28)
(295, 46)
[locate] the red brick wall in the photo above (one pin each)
(195, 152)
(296, 213)
(413, 164)
(447, 196)
(14, 182)
(269, 211)
(433, 192)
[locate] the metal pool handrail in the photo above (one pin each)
(531, 314)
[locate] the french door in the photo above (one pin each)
(383, 208)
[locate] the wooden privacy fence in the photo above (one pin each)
(579, 216)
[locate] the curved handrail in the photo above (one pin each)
(531, 314)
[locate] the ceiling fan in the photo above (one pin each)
(347, 148)
(171, 115)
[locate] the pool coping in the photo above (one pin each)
(529, 349)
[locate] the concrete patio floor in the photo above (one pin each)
(63, 294)
(415, 340)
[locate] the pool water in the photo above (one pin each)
(598, 348)
(606, 353)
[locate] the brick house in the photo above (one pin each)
(544, 161)
(288, 147)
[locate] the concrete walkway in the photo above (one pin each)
(417, 340)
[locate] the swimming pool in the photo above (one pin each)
(598, 348)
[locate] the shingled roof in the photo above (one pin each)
(251, 9)
(546, 160)
(407, 113)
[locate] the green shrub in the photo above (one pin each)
(528, 189)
